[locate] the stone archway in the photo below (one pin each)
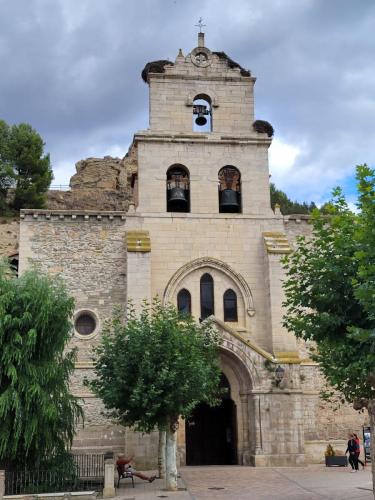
(241, 385)
(211, 432)
(241, 425)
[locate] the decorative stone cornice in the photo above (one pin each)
(288, 357)
(297, 218)
(71, 215)
(211, 78)
(202, 138)
(276, 242)
(138, 241)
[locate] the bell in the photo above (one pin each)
(201, 119)
(177, 199)
(201, 111)
(229, 201)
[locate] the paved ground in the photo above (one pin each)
(250, 483)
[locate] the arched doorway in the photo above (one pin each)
(211, 433)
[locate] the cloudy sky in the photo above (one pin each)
(71, 68)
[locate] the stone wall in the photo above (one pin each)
(88, 250)
(9, 236)
(297, 225)
(326, 422)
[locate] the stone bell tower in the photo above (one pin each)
(201, 116)
(202, 236)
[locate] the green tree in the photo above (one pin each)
(154, 368)
(24, 166)
(287, 206)
(330, 294)
(6, 171)
(38, 413)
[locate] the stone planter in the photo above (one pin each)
(337, 461)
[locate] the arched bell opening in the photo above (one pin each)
(211, 432)
(178, 189)
(202, 113)
(230, 190)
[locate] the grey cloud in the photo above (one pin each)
(72, 70)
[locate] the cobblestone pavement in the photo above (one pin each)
(278, 483)
(314, 482)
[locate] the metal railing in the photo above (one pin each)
(60, 187)
(90, 465)
(88, 475)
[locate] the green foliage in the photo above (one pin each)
(330, 291)
(157, 366)
(37, 412)
(287, 206)
(6, 171)
(23, 166)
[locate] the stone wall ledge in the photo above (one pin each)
(297, 218)
(209, 216)
(78, 215)
(210, 78)
(202, 138)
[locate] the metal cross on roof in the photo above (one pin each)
(200, 24)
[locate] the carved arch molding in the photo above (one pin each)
(209, 262)
(199, 91)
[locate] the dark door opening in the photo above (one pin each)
(211, 433)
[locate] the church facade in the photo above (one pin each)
(199, 233)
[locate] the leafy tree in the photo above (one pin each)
(153, 369)
(330, 294)
(37, 412)
(6, 171)
(287, 206)
(24, 166)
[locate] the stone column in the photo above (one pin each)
(138, 267)
(109, 476)
(284, 343)
(2, 483)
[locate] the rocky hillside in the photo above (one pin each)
(9, 236)
(99, 184)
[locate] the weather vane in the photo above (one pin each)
(200, 24)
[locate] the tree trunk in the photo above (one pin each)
(161, 453)
(371, 411)
(171, 466)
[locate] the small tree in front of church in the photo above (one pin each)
(38, 413)
(155, 368)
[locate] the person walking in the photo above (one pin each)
(352, 450)
(358, 452)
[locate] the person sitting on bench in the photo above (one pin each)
(124, 466)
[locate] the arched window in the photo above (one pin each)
(229, 190)
(184, 302)
(230, 306)
(207, 296)
(178, 189)
(202, 113)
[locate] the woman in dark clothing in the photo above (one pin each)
(352, 449)
(358, 452)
